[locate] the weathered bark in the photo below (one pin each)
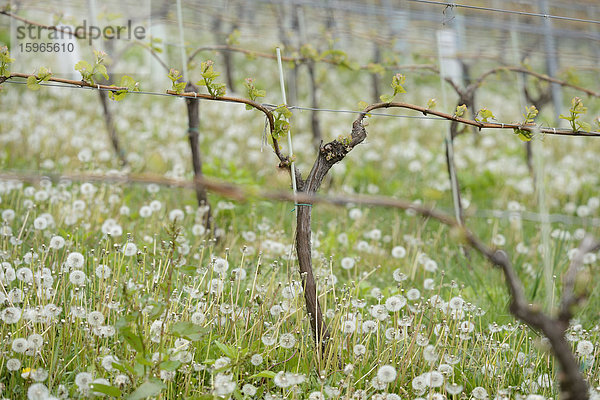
(110, 128)
(193, 109)
(329, 154)
(314, 117)
(572, 383)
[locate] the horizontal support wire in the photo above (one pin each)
(292, 107)
(504, 11)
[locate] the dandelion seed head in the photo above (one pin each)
(75, 260)
(544, 381)
(77, 277)
(198, 318)
(40, 223)
(103, 271)
(479, 393)
(39, 375)
(256, 360)
(413, 294)
(221, 362)
(430, 354)
(25, 275)
(122, 381)
(378, 384)
(38, 391)
(453, 388)
(268, 339)
(95, 318)
(386, 373)
(348, 327)
(249, 390)
(395, 303)
(347, 263)
(83, 380)
(419, 384)
(585, 348)
(359, 350)
(220, 265)
(316, 396)
(11, 315)
(287, 340)
(13, 364)
(176, 215)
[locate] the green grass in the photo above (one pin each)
(178, 323)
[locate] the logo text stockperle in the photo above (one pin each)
(83, 32)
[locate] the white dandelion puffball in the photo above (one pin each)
(130, 249)
(479, 393)
(220, 265)
(398, 252)
(77, 277)
(57, 242)
(585, 348)
(386, 373)
(347, 263)
(395, 303)
(95, 318)
(75, 260)
(287, 340)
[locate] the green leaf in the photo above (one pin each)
(174, 75)
(386, 98)
(118, 95)
(234, 37)
(170, 365)
(143, 361)
(229, 351)
(264, 374)
(44, 74)
(125, 320)
(84, 68)
(123, 368)
(523, 134)
(156, 312)
(238, 395)
(132, 339)
(4, 61)
(32, 83)
(188, 330)
(460, 110)
(101, 69)
(584, 126)
(190, 270)
(484, 115)
(105, 389)
(149, 388)
(139, 370)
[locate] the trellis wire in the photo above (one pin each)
(269, 105)
(504, 11)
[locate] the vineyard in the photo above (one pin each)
(299, 199)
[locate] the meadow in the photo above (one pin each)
(119, 290)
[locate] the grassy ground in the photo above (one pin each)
(118, 288)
